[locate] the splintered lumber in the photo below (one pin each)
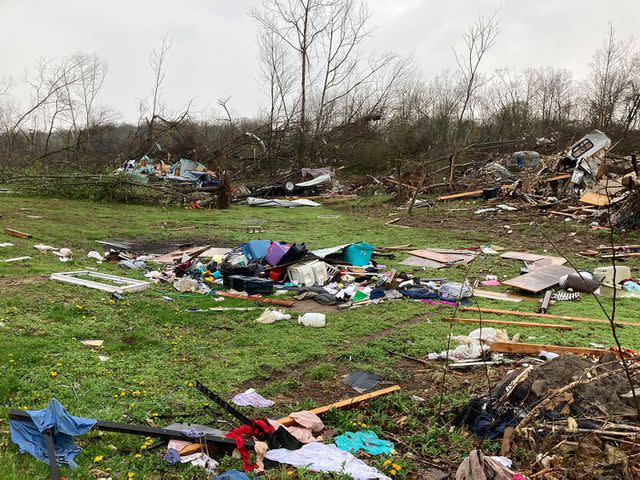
(555, 178)
(288, 421)
(507, 322)
(535, 348)
(545, 315)
(473, 193)
(257, 298)
(15, 233)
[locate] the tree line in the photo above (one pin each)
(326, 102)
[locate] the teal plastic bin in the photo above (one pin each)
(358, 254)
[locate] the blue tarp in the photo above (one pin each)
(29, 434)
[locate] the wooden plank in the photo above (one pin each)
(507, 322)
(540, 278)
(524, 256)
(270, 301)
(555, 178)
(534, 348)
(15, 233)
(501, 296)
(473, 193)
(288, 421)
(16, 259)
(545, 315)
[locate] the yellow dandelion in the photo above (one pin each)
(133, 404)
(98, 458)
(147, 438)
(131, 475)
(138, 455)
(386, 462)
(363, 425)
(154, 414)
(393, 452)
(392, 472)
(396, 466)
(135, 393)
(143, 446)
(58, 364)
(290, 473)
(53, 374)
(123, 393)
(141, 382)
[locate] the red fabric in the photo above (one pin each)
(259, 429)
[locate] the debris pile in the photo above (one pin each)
(571, 409)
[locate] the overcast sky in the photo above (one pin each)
(214, 41)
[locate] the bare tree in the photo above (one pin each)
(478, 39)
(606, 87)
(157, 62)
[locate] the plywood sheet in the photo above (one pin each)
(414, 261)
(540, 278)
(442, 257)
(524, 256)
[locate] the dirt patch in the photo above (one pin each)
(13, 282)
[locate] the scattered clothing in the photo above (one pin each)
(259, 429)
(365, 440)
(250, 398)
(479, 467)
(261, 450)
(282, 438)
(320, 457)
(308, 420)
(29, 434)
(232, 475)
(307, 423)
(172, 456)
(200, 460)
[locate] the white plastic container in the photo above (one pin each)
(313, 320)
(310, 273)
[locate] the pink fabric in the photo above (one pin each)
(439, 302)
(308, 420)
(178, 444)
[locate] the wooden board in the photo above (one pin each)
(288, 421)
(555, 178)
(540, 278)
(442, 257)
(473, 193)
(594, 198)
(568, 318)
(507, 322)
(524, 256)
(534, 348)
(413, 261)
(15, 233)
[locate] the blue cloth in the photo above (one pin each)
(29, 436)
(172, 456)
(365, 440)
(232, 475)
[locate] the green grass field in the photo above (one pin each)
(157, 349)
